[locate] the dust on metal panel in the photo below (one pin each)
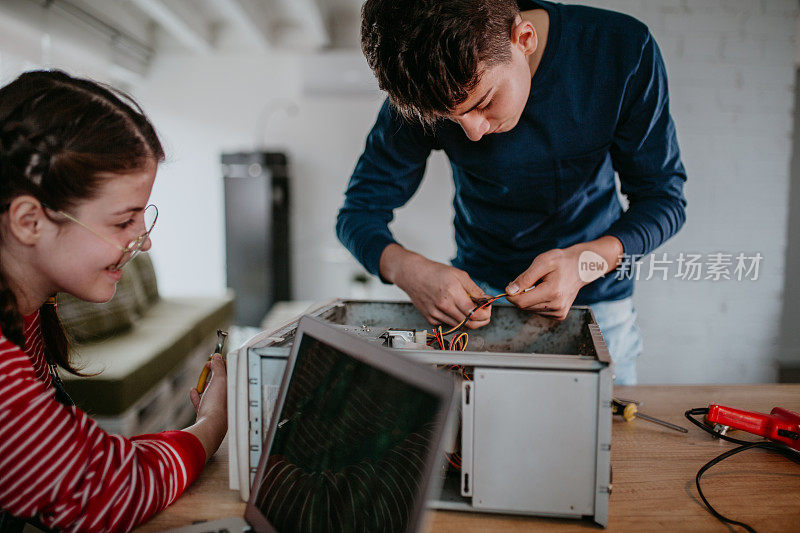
(510, 330)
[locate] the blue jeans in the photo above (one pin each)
(617, 321)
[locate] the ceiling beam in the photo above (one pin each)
(253, 17)
(300, 24)
(181, 21)
(76, 23)
(314, 21)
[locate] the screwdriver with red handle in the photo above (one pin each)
(780, 425)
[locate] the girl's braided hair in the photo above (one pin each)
(60, 137)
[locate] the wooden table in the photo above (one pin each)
(653, 475)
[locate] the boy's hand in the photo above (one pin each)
(561, 274)
(442, 293)
(559, 283)
(211, 407)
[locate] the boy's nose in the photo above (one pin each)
(474, 126)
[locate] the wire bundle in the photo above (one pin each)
(438, 335)
(457, 343)
(489, 301)
(438, 338)
(454, 459)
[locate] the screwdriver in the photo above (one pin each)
(628, 410)
(201, 383)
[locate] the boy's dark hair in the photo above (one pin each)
(60, 137)
(429, 54)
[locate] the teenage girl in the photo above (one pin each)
(77, 164)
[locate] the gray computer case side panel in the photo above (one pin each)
(603, 474)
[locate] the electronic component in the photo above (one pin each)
(409, 339)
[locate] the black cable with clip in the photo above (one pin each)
(743, 445)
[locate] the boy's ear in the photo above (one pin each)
(523, 36)
(25, 219)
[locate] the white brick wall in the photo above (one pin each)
(731, 72)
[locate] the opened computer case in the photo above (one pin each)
(533, 432)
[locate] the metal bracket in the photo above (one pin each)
(467, 429)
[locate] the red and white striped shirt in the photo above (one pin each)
(57, 464)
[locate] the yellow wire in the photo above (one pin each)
(462, 337)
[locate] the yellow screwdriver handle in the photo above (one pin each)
(629, 413)
(201, 383)
(626, 410)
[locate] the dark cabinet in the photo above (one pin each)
(257, 248)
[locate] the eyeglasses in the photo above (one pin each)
(135, 246)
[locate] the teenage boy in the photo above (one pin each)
(536, 105)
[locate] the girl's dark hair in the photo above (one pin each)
(429, 54)
(58, 136)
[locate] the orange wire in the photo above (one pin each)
(487, 303)
(454, 465)
(459, 342)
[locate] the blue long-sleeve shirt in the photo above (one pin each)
(598, 104)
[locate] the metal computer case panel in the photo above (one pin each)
(521, 445)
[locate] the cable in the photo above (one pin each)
(487, 303)
(743, 445)
(459, 342)
(711, 463)
(452, 343)
(454, 461)
(440, 337)
(704, 411)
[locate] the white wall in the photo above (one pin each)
(323, 141)
(731, 73)
(731, 66)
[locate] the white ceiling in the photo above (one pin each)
(199, 26)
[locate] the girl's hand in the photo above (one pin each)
(211, 407)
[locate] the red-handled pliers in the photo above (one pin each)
(780, 425)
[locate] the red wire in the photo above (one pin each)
(454, 465)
